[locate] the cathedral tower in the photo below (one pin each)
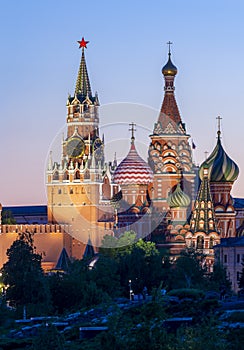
(169, 151)
(222, 172)
(203, 233)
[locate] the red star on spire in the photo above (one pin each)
(83, 43)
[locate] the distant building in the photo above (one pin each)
(230, 253)
(27, 214)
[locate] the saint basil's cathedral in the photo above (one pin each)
(166, 199)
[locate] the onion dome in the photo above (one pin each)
(178, 198)
(169, 68)
(220, 167)
(133, 169)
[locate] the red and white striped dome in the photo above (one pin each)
(133, 170)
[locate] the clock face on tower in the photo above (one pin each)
(75, 147)
(98, 148)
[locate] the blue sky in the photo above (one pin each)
(127, 49)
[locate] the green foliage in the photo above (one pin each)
(7, 218)
(48, 338)
(187, 293)
(237, 316)
(75, 289)
(189, 270)
(217, 280)
(106, 275)
(23, 275)
(127, 259)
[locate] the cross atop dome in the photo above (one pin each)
(132, 129)
(219, 125)
(169, 43)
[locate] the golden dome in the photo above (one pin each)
(169, 68)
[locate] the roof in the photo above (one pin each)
(238, 203)
(133, 170)
(27, 210)
(231, 242)
(89, 251)
(63, 261)
(83, 86)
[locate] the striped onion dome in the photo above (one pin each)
(133, 169)
(178, 198)
(220, 167)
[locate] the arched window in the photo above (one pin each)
(59, 191)
(71, 191)
(211, 224)
(202, 214)
(201, 224)
(77, 175)
(56, 175)
(200, 242)
(211, 243)
(87, 175)
(66, 175)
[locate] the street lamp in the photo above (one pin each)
(131, 291)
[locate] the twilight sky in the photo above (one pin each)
(127, 49)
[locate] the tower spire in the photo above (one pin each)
(169, 113)
(83, 86)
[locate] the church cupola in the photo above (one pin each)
(178, 199)
(221, 167)
(133, 170)
(178, 202)
(169, 69)
(133, 175)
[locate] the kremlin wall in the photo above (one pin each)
(166, 199)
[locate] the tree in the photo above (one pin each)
(7, 218)
(138, 261)
(48, 338)
(189, 270)
(218, 280)
(75, 289)
(23, 274)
